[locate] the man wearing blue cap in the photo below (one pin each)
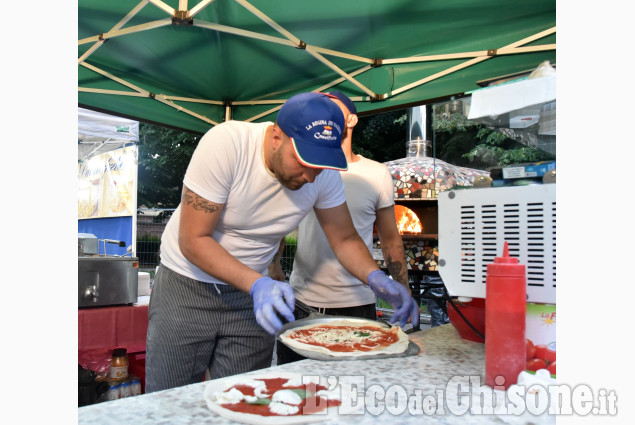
(248, 185)
(318, 278)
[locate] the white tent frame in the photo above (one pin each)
(290, 40)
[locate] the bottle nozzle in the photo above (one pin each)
(505, 258)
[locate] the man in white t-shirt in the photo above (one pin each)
(318, 278)
(212, 305)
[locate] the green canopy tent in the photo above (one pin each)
(194, 64)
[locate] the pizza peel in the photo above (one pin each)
(314, 317)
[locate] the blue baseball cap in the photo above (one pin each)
(345, 100)
(315, 124)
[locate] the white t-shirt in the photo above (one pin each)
(318, 278)
(228, 168)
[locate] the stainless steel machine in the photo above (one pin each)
(475, 223)
(105, 280)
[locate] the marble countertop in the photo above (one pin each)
(443, 383)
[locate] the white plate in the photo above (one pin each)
(219, 385)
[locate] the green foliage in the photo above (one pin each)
(382, 137)
(446, 122)
(454, 135)
(460, 141)
(288, 254)
(451, 147)
(491, 137)
(495, 148)
(483, 156)
(385, 305)
(148, 248)
(164, 155)
(148, 237)
(522, 154)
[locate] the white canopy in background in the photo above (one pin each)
(519, 104)
(98, 133)
(493, 101)
(107, 198)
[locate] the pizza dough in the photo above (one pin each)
(352, 332)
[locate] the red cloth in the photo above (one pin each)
(111, 327)
(101, 329)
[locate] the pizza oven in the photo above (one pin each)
(418, 179)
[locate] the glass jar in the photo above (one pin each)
(113, 390)
(136, 386)
(125, 389)
(119, 365)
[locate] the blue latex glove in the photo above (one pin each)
(397, 295)
(270, 296)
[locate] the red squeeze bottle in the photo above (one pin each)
(505, 315)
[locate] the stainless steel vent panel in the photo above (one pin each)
(475, 223)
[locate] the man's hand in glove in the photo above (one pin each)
(270, 296)
(397, 295)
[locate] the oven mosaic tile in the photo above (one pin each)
(424, 177)
(420, 255)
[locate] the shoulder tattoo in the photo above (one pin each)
(191, 198)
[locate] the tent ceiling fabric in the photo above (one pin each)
(193, 64)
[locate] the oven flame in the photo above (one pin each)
(407, 221)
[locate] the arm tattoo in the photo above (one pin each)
(202, 204)
(397, 271)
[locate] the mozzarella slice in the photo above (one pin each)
(287, 397)
(228, 397)
(302, 380)
(282, 408)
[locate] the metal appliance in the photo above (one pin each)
(87, 244)
(475, 223)
(105, 280)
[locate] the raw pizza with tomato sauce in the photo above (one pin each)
(278, 398)
(346, 338)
